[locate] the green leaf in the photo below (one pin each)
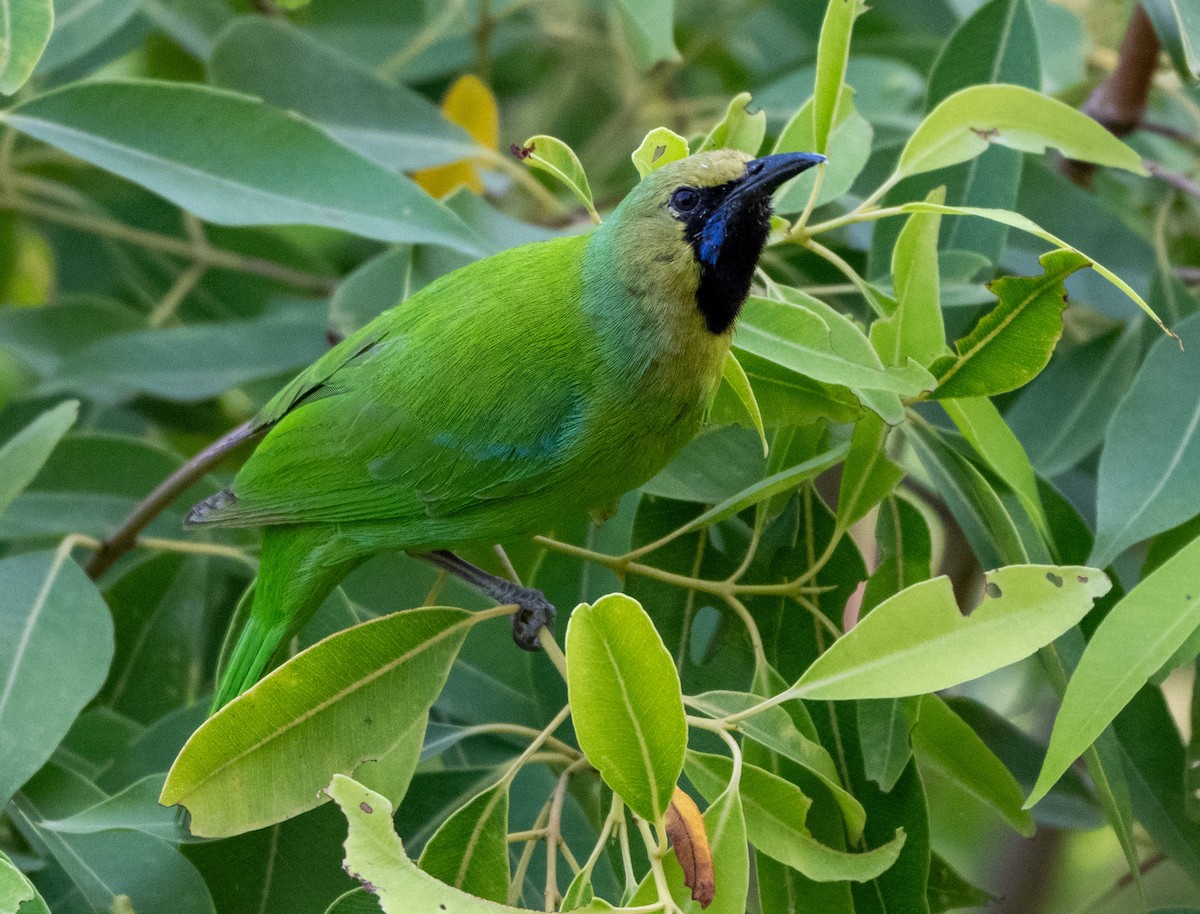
(193, 363)
(833, 53)
(1012, 343)
(660, 147)
(974, 503)
(384, 121)
(340, 703)
(1149, 478)
(783, 481)
(25, 27)
(469, 851)
(217, 154)
(945, 742)
(774, 729)
(556, 158)
(963, 126)
(650, 28)
(947, 890)
(17, 894)
(24, 454)
(734, 375)
(905, 551)
(739, 129)
(1177, 23)
(915, 330)
(375, 855)
(1061, 419)
(54, 656)
(136, 807)
(869, 476)
(626, 703)
(1135, 639)
(796, 336)
(849, 148)
(982, 425)
(776, 811)
(356, 901)
(884, 729)
(919, 641)
(82, 25)
(378, 284)
(1016, 220)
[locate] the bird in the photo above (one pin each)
(517, 391)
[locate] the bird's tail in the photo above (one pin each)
(297, 571)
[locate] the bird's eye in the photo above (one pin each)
(684, 200)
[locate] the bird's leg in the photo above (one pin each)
(535, 610)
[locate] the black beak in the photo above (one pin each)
(764, 175)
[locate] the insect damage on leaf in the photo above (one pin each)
(522, 152)
(689, 841)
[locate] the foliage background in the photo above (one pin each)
(169, 324)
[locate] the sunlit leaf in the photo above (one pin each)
(626, 702)
(553, 156)
(739, 129)
(660, 147)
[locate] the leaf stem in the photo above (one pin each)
(553, 651)
(552, 838)
(534, 745)
(656, 850)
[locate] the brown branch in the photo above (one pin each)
(1120, 101)
(167, 491)
(1175, 179)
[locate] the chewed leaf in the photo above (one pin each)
(739, 129)
(967, 122)
(919, 641)
(661, 146)
(375, 856)
(553, 156)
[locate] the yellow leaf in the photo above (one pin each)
(470, 104)
(689, 841)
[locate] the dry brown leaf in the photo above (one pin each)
(689, 840)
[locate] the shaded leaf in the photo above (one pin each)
(469, 851)
(25, 27)
(734, 376)
(53, 657)
(884, 728)
(24, 454)
(81, 26)
(868, 476)
(216, 153)
(739, 129)
(1149, 478)
(650, 28)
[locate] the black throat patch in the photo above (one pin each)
(726, 242)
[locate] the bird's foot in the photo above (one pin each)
(534, 612)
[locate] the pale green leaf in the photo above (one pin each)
(773, 728)
(27, 451)
(734, 375)
(739, 129)
(919, 641)
(387, 671)
(915, 330)
(1135, 639)
(556, 158)
(25, 27)
(626, 703)
(963, 126)
(375, 855)
(469, 851)
(17, 892)
(833, 53)
(660, 147)
(849, 148)
(776, 811)
(54, 656)
(869, 475)
(217, 154)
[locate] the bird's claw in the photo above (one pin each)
(535, 611)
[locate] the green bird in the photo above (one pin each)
(506, 396)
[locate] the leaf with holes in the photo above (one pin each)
(660, 147)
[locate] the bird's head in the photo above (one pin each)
(699, 224)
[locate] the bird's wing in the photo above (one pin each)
(472, 391)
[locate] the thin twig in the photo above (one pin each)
(553, 834)
(166, 492)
